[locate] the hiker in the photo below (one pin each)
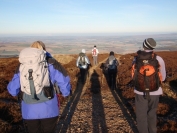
(35, 77)
(95, 55)
(148, 73)
(111, 65)
(83, 63)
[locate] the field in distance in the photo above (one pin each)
(73, 44)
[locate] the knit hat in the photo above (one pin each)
(83, 50)
(111, 53)
(149, 43)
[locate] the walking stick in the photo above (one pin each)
(69, 108)
(19, 101)
(57, 93)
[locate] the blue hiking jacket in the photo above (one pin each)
(48, 108)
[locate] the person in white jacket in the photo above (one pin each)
(95, 55)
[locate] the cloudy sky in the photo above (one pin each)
(54, 17)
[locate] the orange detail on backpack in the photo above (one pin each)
(133, 70)
(149, 70)
(146, 72)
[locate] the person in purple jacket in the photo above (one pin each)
(42, 116)
(146, 107)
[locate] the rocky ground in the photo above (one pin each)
(93, 106)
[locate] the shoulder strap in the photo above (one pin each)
(57, 65)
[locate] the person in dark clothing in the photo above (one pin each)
(111, 64)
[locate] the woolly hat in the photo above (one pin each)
(111, 53)
(149, 43)
(83, 50)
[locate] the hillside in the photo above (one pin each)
(94, 107)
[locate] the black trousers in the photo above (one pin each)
(47, 125)
(112, 73)
(83, 73)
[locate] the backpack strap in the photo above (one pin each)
(146, 85)
(31, 82)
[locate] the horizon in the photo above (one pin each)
(90, 34)
(74, 44)
(88, 17)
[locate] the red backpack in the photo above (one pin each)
(94, 51)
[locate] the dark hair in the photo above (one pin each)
(111, 53)
(94, 45)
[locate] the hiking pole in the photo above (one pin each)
(57, 90)
(88, 73)
(19, 102)
(69, 108)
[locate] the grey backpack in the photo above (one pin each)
(112, 62)
(82, 59)
(34, 75)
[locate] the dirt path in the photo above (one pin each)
(94, 108)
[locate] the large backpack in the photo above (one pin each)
(34, 76)
(145, 72)
(112, 62)
(82, 59)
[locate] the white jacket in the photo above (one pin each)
(96, 52)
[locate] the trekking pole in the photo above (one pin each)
(19, 102)
(88, 67)
(57, 93)
(69, 109)
(88, 73)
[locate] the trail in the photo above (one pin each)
(90, 72)
(95, 108)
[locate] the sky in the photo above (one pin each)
(55, 17)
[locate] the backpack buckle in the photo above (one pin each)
(147, 93)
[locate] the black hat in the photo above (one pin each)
(111, 53)
(149, 43)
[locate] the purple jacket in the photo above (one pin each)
(49, 108)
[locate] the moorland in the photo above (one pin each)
(93, 106)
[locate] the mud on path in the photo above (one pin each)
(95, 108)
